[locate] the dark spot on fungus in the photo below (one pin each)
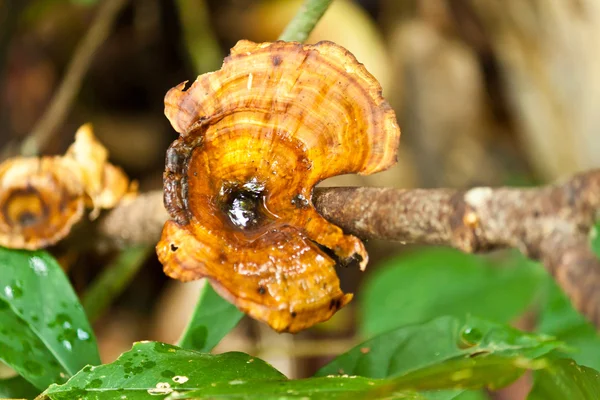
(173, 247)
(293, 314)
(27, 218)
(244, 206)
(262, 290)
(30, 207)
(276, 59)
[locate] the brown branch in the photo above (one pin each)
(550, 224)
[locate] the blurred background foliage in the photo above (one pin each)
(487, 92)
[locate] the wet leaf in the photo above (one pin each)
(213, 318)
(564, 379)
(341, 388)
(441, 343)
(454, 283)
(44, 334)
(17, 387)
(152, 369)
(157, 370)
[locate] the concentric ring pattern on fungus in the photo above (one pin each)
(40, 199)
(255, 138)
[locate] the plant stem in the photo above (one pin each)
(305, 21)
(200, 40)
(69, 87)
(113, 280)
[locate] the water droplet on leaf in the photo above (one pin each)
(470, 337)
(38, 266)
(82, 335)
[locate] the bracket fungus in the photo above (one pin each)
(255, 137)
(42, 197)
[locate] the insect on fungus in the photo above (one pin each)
(255, 137)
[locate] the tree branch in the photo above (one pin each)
(550, 224)
(305, 21)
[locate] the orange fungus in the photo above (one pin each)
(255, 138)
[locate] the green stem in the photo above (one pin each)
(200, 40)
(305, 20)
(113, 280)
(65, 95)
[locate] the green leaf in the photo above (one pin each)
(327, 388)
(213, 318)
(558, 318)
(17, 387)
(315, 388)
(490, 371)
(413, 348)
(156, 370)
(595, 238)
(200, 40)
(44, 334)
(472, 395)
(564, 379)
(441, 281)
(150, 369)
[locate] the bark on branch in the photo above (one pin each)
(550, 224)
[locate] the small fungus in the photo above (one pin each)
(238, 181)
(42, 197)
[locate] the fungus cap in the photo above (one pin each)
(40, 199)
(255, 138)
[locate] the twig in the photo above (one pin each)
(550, 224)
(113, 280)
(69, 87)
(305, 20)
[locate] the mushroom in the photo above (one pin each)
(255, 138)
(41, 198)
(105, 184)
